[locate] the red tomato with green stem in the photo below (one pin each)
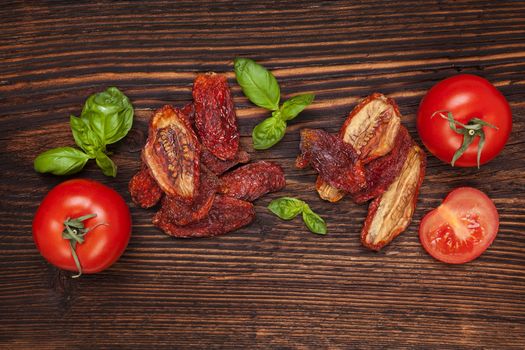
(461, 228)
(464, 120)
(82, 225)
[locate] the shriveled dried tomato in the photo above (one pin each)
(327, 192)
(172, 153)
(391, 213)
(218, 166)
(226, 214)
(189, 114)
(336, 161)
(381, 172)
(181, 212)
(371, 128)
(144, 189)
(253, 180)
(215, 118)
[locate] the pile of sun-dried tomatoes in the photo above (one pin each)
(186, 161)
(189, 153)
(373, 157)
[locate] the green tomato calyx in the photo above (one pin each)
(471, 130)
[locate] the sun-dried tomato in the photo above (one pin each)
(180, 212)
(218, 166)
(371, 128)
(391, 213)
(189, 114)
(172, 153)
(215, 118)
(253, 180)
(144, 189)
(327, 192)
(336, 161)
(381, 172)
(226, 214)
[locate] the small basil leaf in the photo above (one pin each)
(61, 161)
(110, 115)
(106, 164)
(268, 133)
(84, 137)
(313, 221)
(286, 208)
(257, 83)
(295, 105)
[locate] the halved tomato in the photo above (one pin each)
(461, 228)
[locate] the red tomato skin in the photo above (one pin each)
(71, 199)
(493, 219)
(466, 96)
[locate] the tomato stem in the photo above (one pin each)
(74, 231)
(471, 130)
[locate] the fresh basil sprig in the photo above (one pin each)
(262, 89)
(288, 208)
(105, 119)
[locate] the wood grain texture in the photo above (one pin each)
(272, 284)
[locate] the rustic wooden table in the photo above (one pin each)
(272, 284)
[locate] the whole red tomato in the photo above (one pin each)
(82, 225)
(472, 101)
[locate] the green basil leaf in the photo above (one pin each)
(313, 221)
(85, 138)
(110, 115)
(257, 83)
(286, 208)
(106, 164)
(61, 161)
(295, 105)
(268, 133)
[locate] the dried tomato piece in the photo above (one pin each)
(391, 213)
(253, 180)
(215, 118)
(371, 128)
(218, 166)
(180, 212)
(226, 214)
(144, 189)
(336, 161)
(189, 114)
(172, 153)
(327, 192)
(381, 172)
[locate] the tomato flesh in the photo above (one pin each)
(461, 228)
(445, 240)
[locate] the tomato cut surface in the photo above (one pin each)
(461, 228)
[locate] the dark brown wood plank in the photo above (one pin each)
(271, 284)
